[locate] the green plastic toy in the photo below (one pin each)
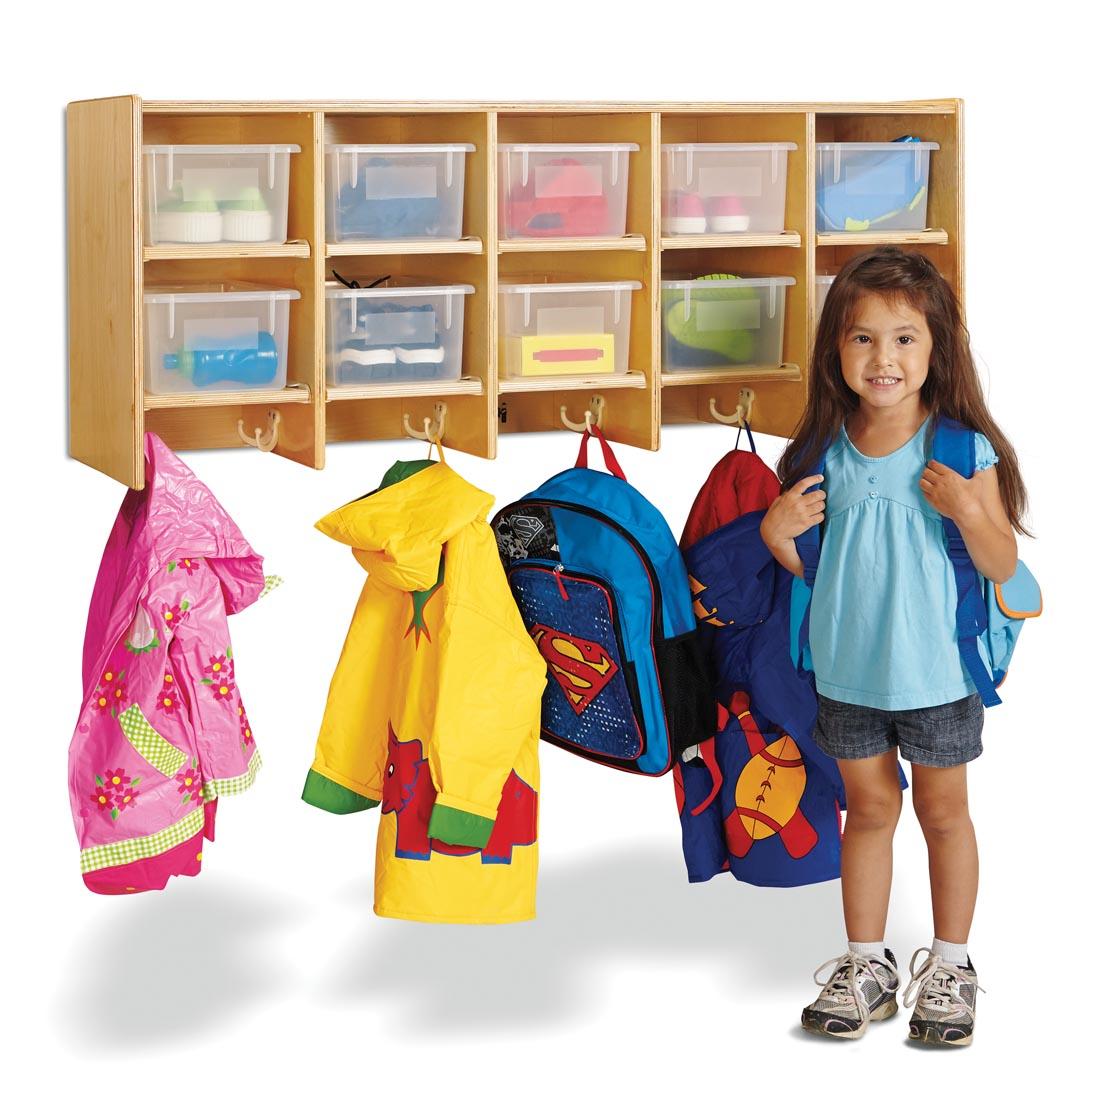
(707, 343)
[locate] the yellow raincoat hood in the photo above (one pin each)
(398, 531)
(433, 712)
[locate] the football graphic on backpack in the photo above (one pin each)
(768, 791)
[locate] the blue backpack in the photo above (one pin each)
(603, 591)
(988, 616)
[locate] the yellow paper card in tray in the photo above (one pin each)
(583, 353)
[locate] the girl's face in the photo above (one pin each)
(884, 356)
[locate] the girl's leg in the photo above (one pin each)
(939, 798)
(863, 986)
(873, 795)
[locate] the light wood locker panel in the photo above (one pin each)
(470, 424)
(939, 121)
(778, 402)
(301, 431)
(630, 412)
(103, 147)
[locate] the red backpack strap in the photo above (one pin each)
(610, 461)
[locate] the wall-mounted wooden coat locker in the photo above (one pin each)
(118, 259)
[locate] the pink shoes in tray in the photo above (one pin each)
(687, 212)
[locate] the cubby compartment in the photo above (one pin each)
(553, 328)
(405, 181)
(395, 192)
(563, 190)
(574, 179)
(201, 194)
(721, 322)
(216, 337)
(394, 329)
(732, 178)
(925, 173)
(716, 187)
(872, 185)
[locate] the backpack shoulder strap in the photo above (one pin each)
(808, 545)
(953, 445)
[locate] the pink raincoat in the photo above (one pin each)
(162, 731)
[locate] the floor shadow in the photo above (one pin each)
(600, 921)
(171, 967)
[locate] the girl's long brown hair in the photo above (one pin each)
(951, 388)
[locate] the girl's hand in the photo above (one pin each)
(793, 512)
(950, 493)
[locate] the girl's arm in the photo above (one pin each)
(975, 505)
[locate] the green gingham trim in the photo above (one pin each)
(271, 582)
(141, 847)
(162, 754)
(215, 788)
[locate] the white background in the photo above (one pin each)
(269, 972)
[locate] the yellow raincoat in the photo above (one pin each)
(434, 707)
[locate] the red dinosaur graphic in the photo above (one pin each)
(768, 791)
(407, 792)
(582, 668)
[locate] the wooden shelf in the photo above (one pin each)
(788, 372)
(786, 239)
(467, 246)
(225, 250)
(631, 380)
(292, 395)
(378, 390)
(896, 236)
(631, 243)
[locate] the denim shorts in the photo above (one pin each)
(937, 737)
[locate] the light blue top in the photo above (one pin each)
(882, 617)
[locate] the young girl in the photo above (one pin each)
(891, 355)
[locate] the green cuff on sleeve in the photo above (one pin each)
(459, 827)
(324, 793)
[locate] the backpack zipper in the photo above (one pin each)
(651, 572)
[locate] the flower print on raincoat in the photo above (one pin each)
(158, 740)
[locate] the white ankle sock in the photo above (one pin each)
(954, 953)
(867, 948)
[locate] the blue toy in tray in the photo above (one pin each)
(366, 214)
(877, 188)
(253, 366)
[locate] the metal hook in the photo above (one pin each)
(433, 428)
(592, 415)
(742, 414)
(274, 419)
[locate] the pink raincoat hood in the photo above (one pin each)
(174, 516)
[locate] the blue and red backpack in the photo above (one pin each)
(603, 591)
(759, 799)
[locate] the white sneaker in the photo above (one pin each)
(945, 996)
(860, 989)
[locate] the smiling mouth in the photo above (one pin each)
(883, 383)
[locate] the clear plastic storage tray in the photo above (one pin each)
(722, 322)
(402, 330)
(199, 194)
(388, 192)
(224, 336)
(823, 283)
(863, 185)
(564, 190)
(724, 188)
(565, 328)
